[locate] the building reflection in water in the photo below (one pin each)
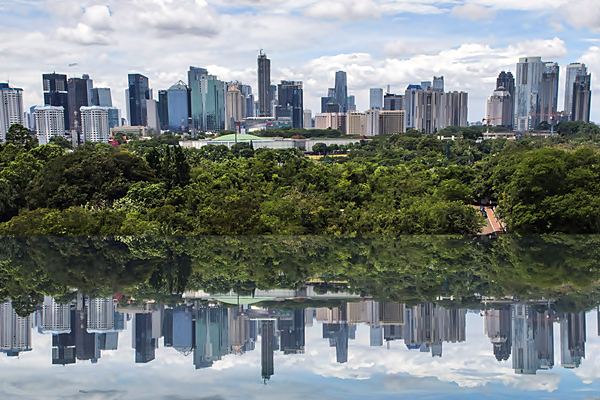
(84, 328)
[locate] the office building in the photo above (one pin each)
(152, 116)
(15, 331)
(144, 344)
(163, 109)
(197, 85)
(410, 105)
(426, 85)
(336, 121)
(267, 349)
(581, 99)
(393, 102)
(49, 123)
(290, 102)
(356, 123)
(500, 109)
(574, 70)
(549, 93)
(78, 97)
(56, 94)
(182, 330)
(207, 99)
(55, 317)
(89, 83)
(438, 83)
(264, 86)
(392, 122)
(351, 103)
(572, 339)
(375, 99)
(455, 109)
(234, 107)
(506, 82)
(372, 122)
(11, 108)
(211, 336)
(527, 93)
(341, 90)
(95, 124)
(308, 121)
(329, 105)
(178, 107)
(248, 98)
(138, 94)
(101, 97)
(100, 314)
(499, 329)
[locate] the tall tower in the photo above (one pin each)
(139, 92)
(581, 98)
(573, 71)
(11, 108)
(527, 104)
(341, 90)
(506, 82)
(549, 93)
(56, 94)
(264, 85)
(291, 102)
(78, 97)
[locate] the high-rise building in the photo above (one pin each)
(100, 314)
(355, 123)
(55, 317)
(290, 102)
(582, 98)
(178, 110)
(572, 339)
(573, 71)
(153, 118)
(264, 86)
(426, 85)
(500, 109)
(372, 122)
(138, 93)
(15, 335)
(351, 103)
(341, 90)
(182, 329)
(499, 329)
(549, 93)
(207, 100)
(527, 93)
(375, 99)
(308, 122)
(49, 123)
(234, 107)
(328, 105)
(438, 83)
(335, 121)
(95, 124)
(429, 116)
(393, 102)
(144, 344)
(197, 83)
(89, 83)
(78, 97)
(392, 122)
(56, 93)
(11, 108)
(163, 109)
(248, 97)
(101, 97)
(267, 337)
(455, 109)
(410, 105)
(506, 82)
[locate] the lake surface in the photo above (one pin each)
(297, 318)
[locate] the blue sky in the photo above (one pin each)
(378, 42)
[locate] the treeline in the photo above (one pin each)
(402, 184)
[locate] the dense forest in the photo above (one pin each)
(401, 184)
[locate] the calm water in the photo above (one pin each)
(239, 319)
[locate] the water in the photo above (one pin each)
(297, 318)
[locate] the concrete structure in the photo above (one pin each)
(527, 93)
(429, 117)
(500, 109)
(11, 108)
(438, 83)
(455, 109)
(95, 124)
(290, 102)
(15, 335)
(138, 93)
(392, 122)
(331, 121)
(49, 123)
(549, 93)
(55, 317)
(234, 107)
(100, 315)
(372, 122)
(153, 118)
(573, 71)
(308, 122)
(582, 98)
(375, 99)
(264, 86)
(56, 93)
(506, 82)
(356, 123)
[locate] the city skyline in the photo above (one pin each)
(87, 32)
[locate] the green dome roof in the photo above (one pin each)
(240, 138)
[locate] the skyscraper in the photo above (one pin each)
(527, 94)
(49, 123)
(248, 101)
(178, 107)
(144, 343)
(267, 349)
(153, 118)
(341, 90)
(573, 71)
(264, 85)
(56, 93)
(207, 99)
(499, 109)
(290, 102)
(455, 109)
(375, 99)
(549, 93)
(11, 108)
(234, 107)
(196, 82)
(438, 83)
(163, 109)
(15, 335)
(393, 102)
(572, 339)
(139, 92)
(410, 105)
(392, 122)
(95, 126)
(581, 98)
(506, 82)
(78, 97)
(101, 97)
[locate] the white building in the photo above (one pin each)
(15, 331)
(11, 108)
(100, 314)
(49, 122)
(234, 107)
(307, 117)
(499, 109)
(372, 122)
(153, 117)
(331, 121)
(455, 109)
(94, 124)
(55, 317)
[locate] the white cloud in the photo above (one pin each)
(82, 34)
(473, 12)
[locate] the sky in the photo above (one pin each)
(466, 370)
(378, 42)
